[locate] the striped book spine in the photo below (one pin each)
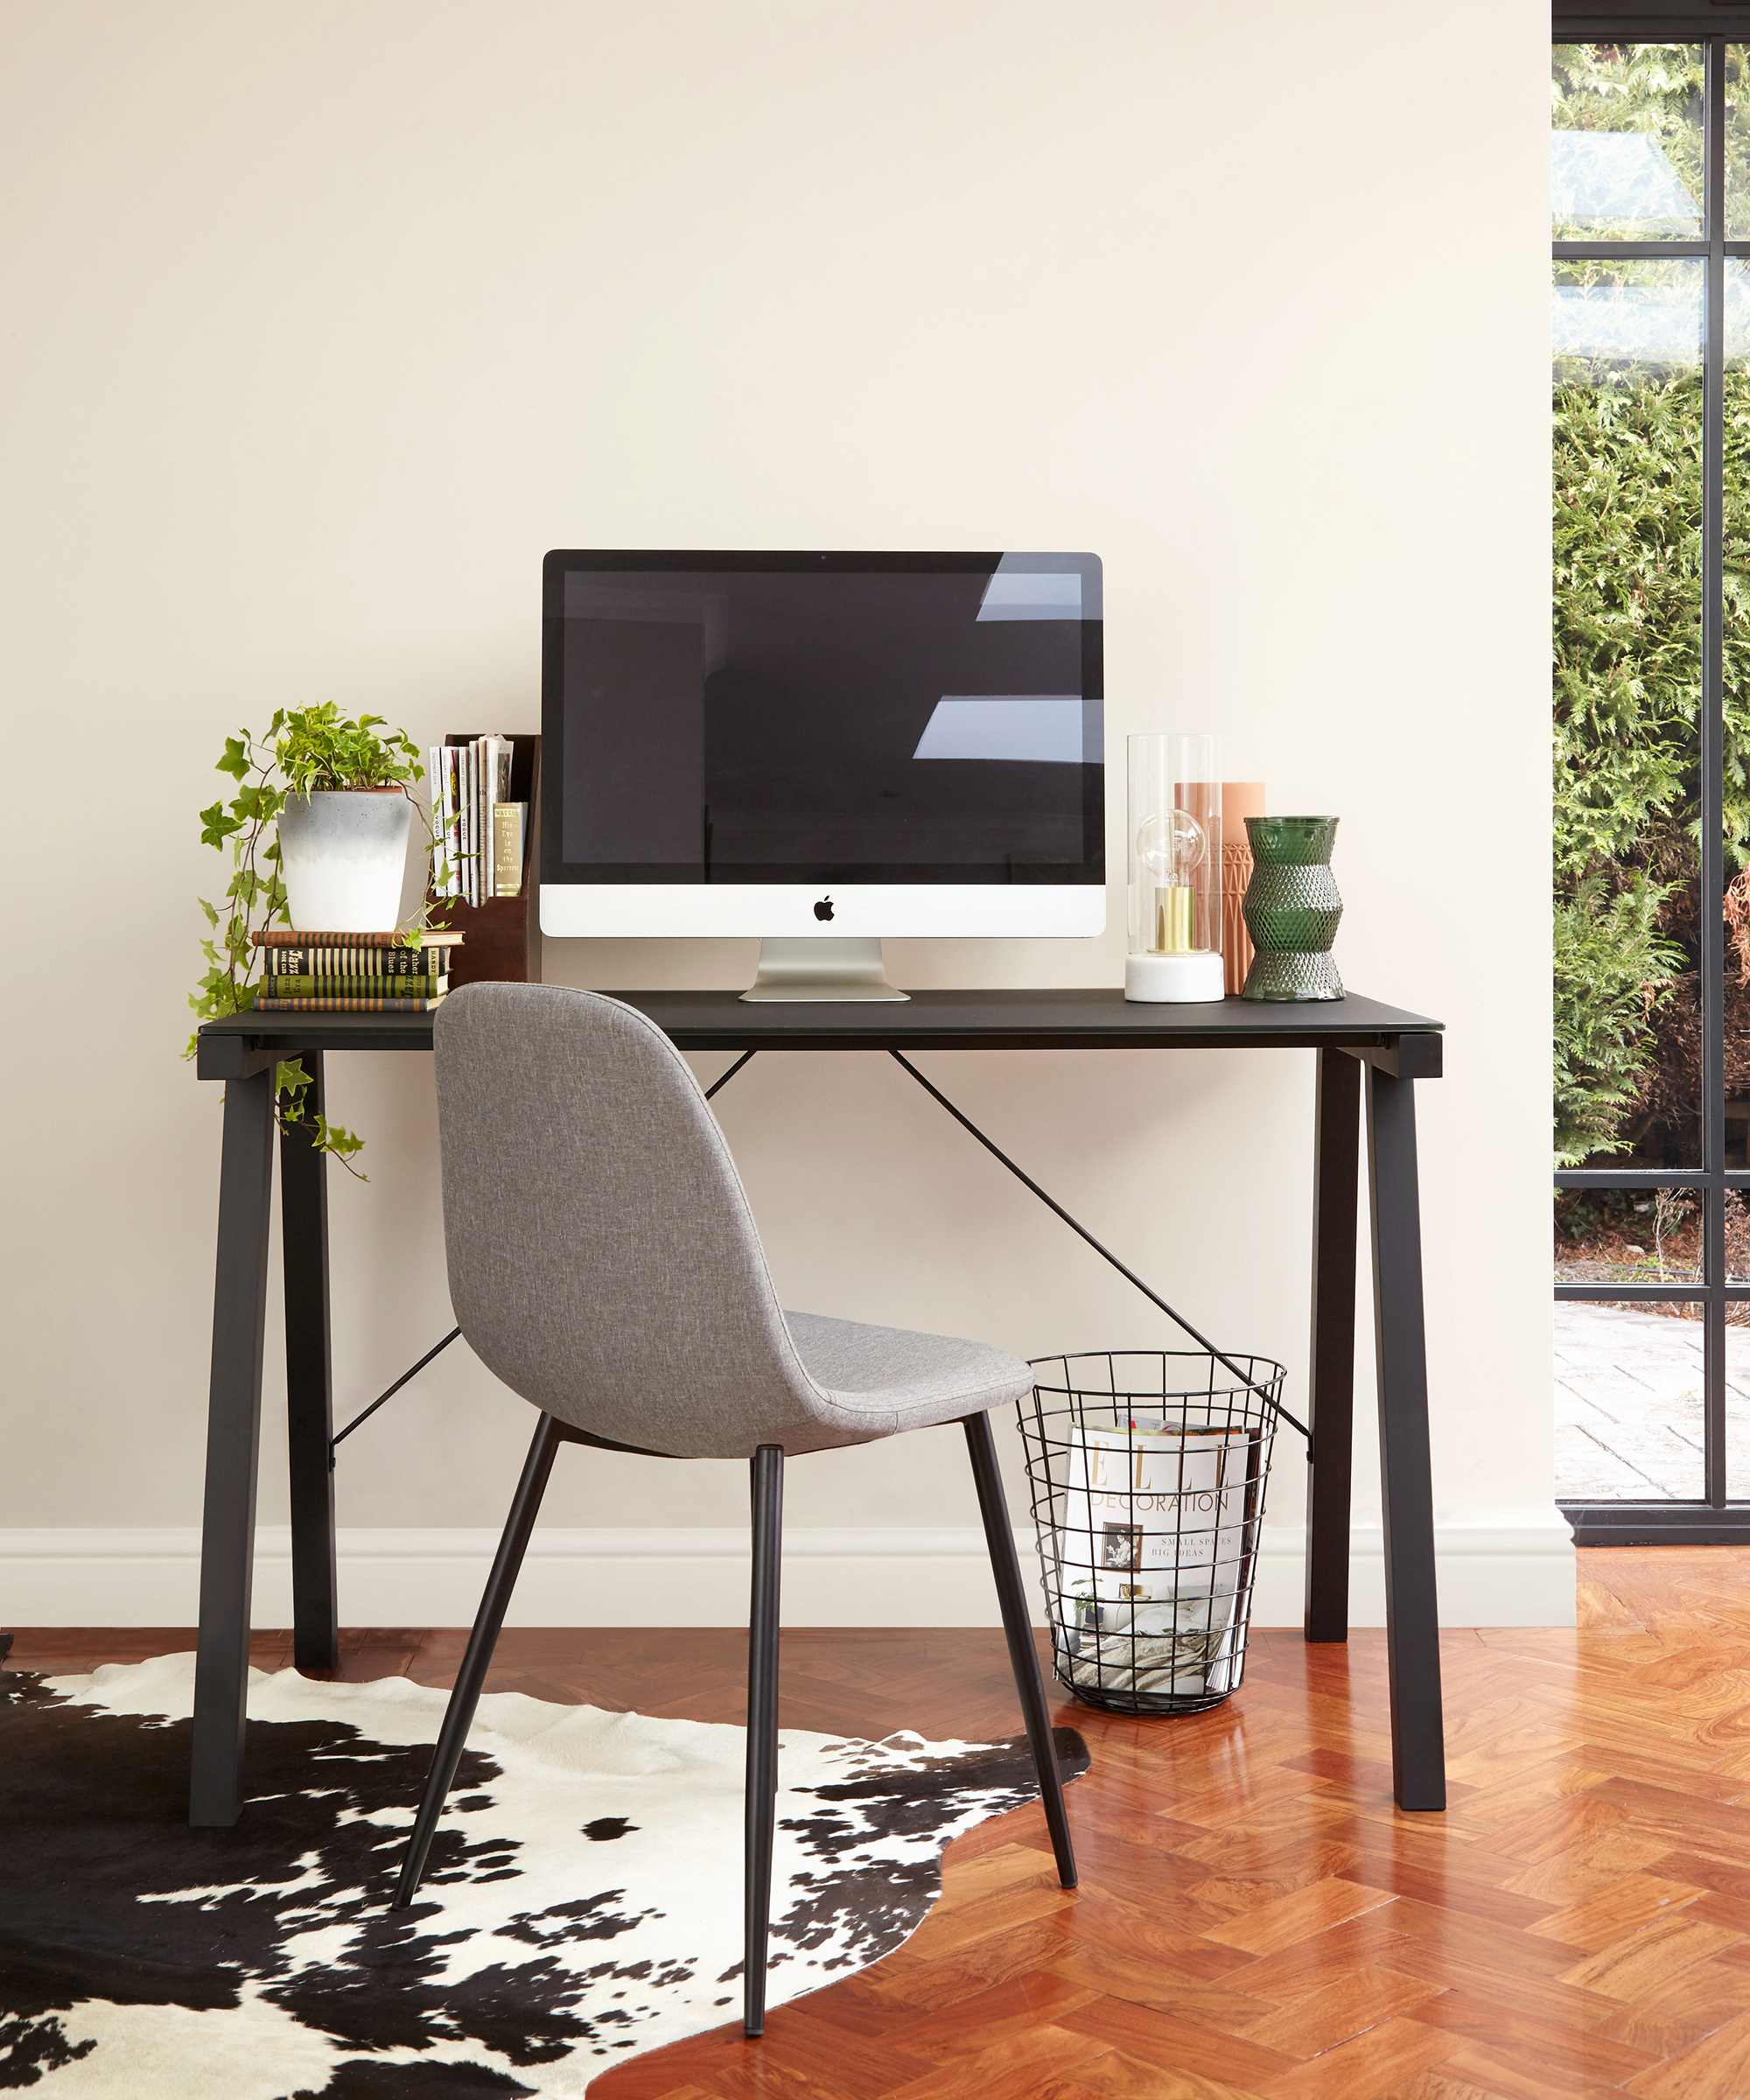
(309, 984)
(286, 936)
(347, 1006)
(356, 961)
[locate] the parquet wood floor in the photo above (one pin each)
(1255, 1918)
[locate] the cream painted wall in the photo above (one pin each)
(325, 323)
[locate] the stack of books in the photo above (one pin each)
(353, 973)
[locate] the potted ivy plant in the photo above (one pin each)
(344, 822)
(317, 833)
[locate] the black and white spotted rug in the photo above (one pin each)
(583, 1902)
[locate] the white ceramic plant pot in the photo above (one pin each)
(342, 857)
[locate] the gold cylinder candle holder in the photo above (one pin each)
(1172, 922)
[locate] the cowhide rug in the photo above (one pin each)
(583, 1902)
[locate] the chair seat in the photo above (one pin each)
(884, 1380)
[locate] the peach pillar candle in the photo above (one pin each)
(1240, 798)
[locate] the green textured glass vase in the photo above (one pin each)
(1291, 908)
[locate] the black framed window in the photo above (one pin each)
(1650, 328)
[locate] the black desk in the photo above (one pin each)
(1352, 1036)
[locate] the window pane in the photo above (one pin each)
(1628, 406)
(1629, 1403)
(1737, 1245)
(1630, 1236)
(1735, 694)
(1626, 158)
(1738, 1401)
(1736, 141)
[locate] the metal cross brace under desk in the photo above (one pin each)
(1357, 1039)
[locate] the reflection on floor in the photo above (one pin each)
(1254, 1921)
(1628, 1406)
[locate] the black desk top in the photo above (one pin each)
(1093, 1017)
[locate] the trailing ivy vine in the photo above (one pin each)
(313, 750)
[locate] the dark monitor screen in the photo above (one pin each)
(823, 717)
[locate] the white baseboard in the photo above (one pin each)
(1496, 1568)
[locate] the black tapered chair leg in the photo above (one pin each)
(993, 1506)
(768, 1468)
(459, 1715)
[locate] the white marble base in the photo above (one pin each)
(1188, 980)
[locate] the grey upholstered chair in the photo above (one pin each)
(605, 1264)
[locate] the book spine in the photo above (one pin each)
(489, 815)
(458, 781)
(434, 777)
(440, 829)
(309, 984)
(453, 779)
(509, 822)
(376, 944)
(482, 852)
(348, 1005)
(471, 869)
(325, 961)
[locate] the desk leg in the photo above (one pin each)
(309, 1386)
(1418, 1756)
(1336, 1154)
(234, 1435)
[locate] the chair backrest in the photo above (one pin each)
(602, 1259)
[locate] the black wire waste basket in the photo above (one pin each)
(1147, 1471)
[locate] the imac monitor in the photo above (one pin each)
(821, 749)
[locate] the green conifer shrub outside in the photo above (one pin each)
(1627, 596)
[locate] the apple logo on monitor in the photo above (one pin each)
(823, 909)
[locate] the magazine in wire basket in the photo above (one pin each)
(1148, 1470)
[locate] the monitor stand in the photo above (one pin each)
(847, 967)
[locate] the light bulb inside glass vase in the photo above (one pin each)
(1172, 846)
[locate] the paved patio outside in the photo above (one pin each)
(1628, 1407)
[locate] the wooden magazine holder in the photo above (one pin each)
(501, 938)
